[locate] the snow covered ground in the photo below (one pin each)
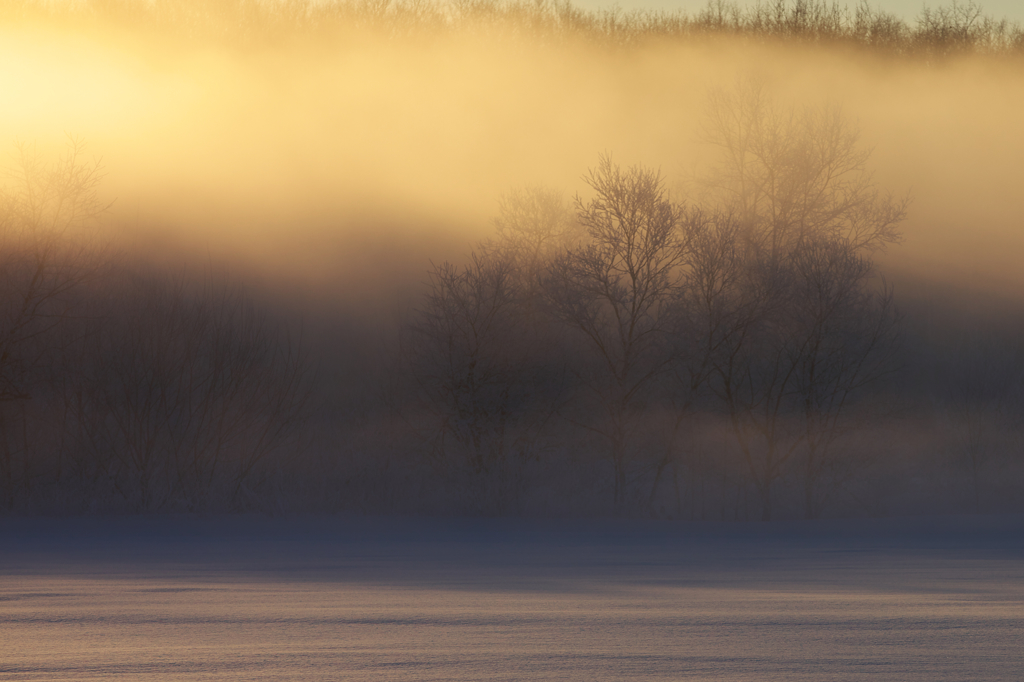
(247, 598)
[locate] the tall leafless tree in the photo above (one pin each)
(461, 347)
(808, 329)
(848, 332)
(704, 319)
(479, 350)
(616, 292)
(45, 212)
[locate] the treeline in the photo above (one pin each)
(735, 353)
(959, 28)
(755, 318)
(723, 357)
(122, 387)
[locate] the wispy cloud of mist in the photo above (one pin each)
(332, 172)
(287, 155)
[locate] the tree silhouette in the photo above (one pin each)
(616, 293)
(807, 328)
(45, 209)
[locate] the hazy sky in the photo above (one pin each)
(908, 9)
(404, 149)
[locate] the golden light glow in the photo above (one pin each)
(287, 154)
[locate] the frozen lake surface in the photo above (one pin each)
(248, 598)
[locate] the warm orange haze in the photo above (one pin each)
(252, 145)
(326, 165)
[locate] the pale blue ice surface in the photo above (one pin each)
(247, 598)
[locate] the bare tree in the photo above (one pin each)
(849, 332)
(616, 293)
(805, 329)
(41, 258)
(44, 258)
(463, 362)
(753, 368)
(792, 174)
(704, 318)
(185, 392)
(481, 354)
